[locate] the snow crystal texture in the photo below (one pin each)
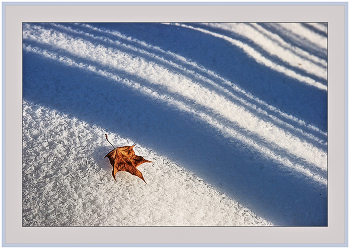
(232, 116)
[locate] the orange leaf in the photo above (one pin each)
(124, 159)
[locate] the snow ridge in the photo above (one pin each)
(183, 85)
(261, 59)
(67, 184)
(156, 74)
(290, 54)
(260, 105)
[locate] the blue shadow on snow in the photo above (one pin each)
(287, 94)
(256, 182)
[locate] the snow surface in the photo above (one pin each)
(233, 117)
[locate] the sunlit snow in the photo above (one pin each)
(233, 117)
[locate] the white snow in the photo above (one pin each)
(313, 37)
(261, 59)
(67, 112)
(70, 183)
(158, 75)
(275, 46)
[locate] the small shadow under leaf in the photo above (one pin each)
(100, 159)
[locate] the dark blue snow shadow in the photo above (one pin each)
(131, 52)
(260, 184)
(297, 41)
(320, 32)
(290, 96)
(161, 90)
(262, 51)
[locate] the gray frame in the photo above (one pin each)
(16, 13)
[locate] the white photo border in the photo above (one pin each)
(335, 14)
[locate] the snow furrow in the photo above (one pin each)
(229, 132)
(260, 58)
(226, 131)
(274, 48)
(319, 26)
(297, 29)
(195, 75)
(176, 61)
(294, 38)
(288, 45)
(158, 75)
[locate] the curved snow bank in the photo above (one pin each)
(312, 37)
(261, 59)
(217, 123)
(189, 67)
(276, 46)
(67, 182)
(191, 91)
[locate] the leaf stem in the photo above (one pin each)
(109, 142)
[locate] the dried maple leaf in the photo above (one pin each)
(124, 159)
